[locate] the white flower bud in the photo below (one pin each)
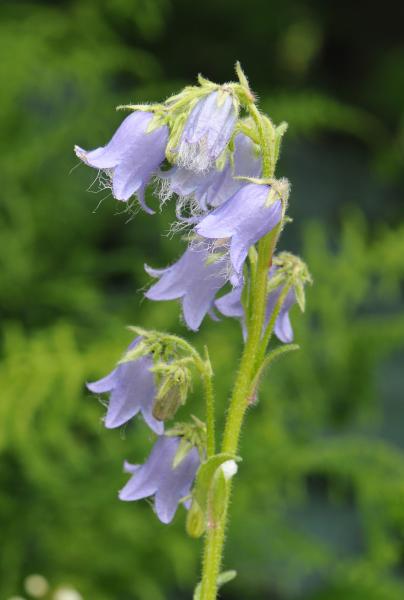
(229, 469)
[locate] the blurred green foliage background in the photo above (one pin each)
(318, 511)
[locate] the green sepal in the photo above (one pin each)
(141, 107)
(242, 76)
(175, 134)
(157, 121)
(243, 126)
(203, 82)
(275, 281)
(141, 349)
(193, 433)
(222, 94)
(183, 448)
(280, 131)
(300, 295)
(221, 160)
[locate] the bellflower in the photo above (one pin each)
(207, 131)
(187, 185)
(244, 218)
(230, 306)
(132, 390)
(214, 187)
(131, 156)
(245, 164)
(157, 477)
(195, 279)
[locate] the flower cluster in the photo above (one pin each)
(215, 173)
(208, 150)
(153, 380)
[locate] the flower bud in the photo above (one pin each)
(173, 390)
(195, 524)
(167, 403)
(290, 270)
(229, 469)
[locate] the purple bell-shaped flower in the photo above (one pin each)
(245, 218)
(158, 478)
(195, 279)
(131, 390)
(207, 131)
(131, 157)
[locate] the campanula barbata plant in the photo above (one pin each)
(211, 151)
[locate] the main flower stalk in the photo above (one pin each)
(242, 390)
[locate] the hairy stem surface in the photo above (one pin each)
(242, 390)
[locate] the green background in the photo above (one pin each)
(318, 509)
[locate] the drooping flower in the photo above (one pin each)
(207, 131)
(213, 188)
(246, 163)
(187, 184)
(195, 279)
(131, 157)
(230, 306)
(157, 477)
(244, 218)
(132, 390)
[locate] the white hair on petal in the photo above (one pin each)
(195, 157)
(162, 189)
(190, 205)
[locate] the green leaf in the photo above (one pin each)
(205, 475)
(226, 576)
(217, 497)
(223, 578)
(269, 358)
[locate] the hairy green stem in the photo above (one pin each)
(240, 399)
(212, 559)
(238, 406)
(210, 407)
